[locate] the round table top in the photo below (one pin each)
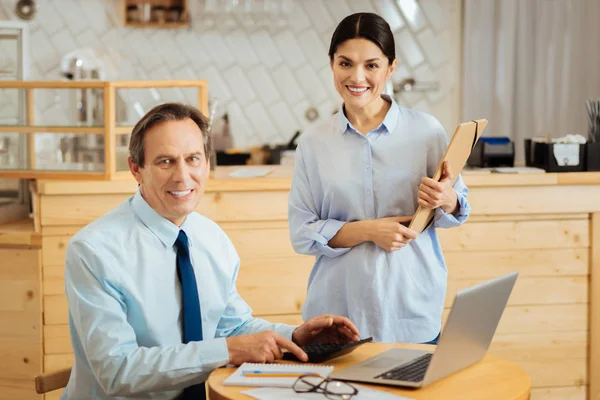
(492, 378)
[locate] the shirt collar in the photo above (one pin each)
(161, 227)
(388, 124)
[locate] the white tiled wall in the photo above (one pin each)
(265, 76)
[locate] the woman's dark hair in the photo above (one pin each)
(162, 113)
(368, 26)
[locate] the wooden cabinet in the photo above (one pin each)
(531, 224)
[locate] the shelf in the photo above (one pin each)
(156, 25)
(144, 10)
(68, 145)
(97, 130)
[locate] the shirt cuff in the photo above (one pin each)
(329, 229)
(286, 330)
(446, 220)
(214, 353)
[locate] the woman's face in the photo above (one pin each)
(360, 70)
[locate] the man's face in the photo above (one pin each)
(174, 176)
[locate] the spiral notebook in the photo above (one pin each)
(274, 375)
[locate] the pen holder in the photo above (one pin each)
(592, 156)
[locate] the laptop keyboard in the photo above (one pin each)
(412, 372)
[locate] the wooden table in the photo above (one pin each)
(492, 378)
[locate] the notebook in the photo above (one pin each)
(274, 375)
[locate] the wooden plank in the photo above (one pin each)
(548, 357)
(78, 130)
(534, 290)
(250, 243)
(54, 279)
(248, 239)
(529, 263)
(493, 236)
(54, 249)
(262, 286)
(527, 199)
(21, 389)
(579, 178)
(54, 362)
(559, 393)
(540, 318)
(21, 322)
(57, 339)
(158, 83)
(110, 158)
(57, 230)
(527, 217)
(498, 181)
(218, 206)
(52, 84)
(77, 210)
(30, 112)
(594, 389)
(39, 174)
(56, 310)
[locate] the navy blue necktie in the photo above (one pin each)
(192, 322)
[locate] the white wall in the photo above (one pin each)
(265, 77)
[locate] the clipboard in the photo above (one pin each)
(464, 139)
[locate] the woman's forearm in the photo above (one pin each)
(351, 234)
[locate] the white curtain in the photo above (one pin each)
(529, 66)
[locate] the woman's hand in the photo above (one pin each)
(390, 234)
(433, 194)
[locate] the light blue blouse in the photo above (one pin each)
(340, 176)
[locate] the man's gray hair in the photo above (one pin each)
(162, 113)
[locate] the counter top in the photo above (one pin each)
(19, 234)
(280, 179)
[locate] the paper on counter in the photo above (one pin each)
(250, 172)
(364, 393)
(518, 170)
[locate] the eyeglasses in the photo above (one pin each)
(331, 388)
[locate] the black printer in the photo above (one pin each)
(490, 152)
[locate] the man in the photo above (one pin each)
(153, 306)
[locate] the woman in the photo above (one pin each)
(358, 177)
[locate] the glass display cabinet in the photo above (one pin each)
(80, 129)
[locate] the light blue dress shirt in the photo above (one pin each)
(125, 305)
(340, 176)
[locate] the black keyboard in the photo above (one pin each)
(319, 352)
(411, 372)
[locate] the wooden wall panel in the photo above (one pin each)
(534, 199)
(559, 393)
(529, 263)
(540, 318)
(509, 236)
(534, 290)
(550, 358)
(218, 206)
(20, 322)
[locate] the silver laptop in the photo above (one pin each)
(466, 338)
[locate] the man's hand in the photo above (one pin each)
(434, 194)
(262, 347)
(390, 234)
(326, 329)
